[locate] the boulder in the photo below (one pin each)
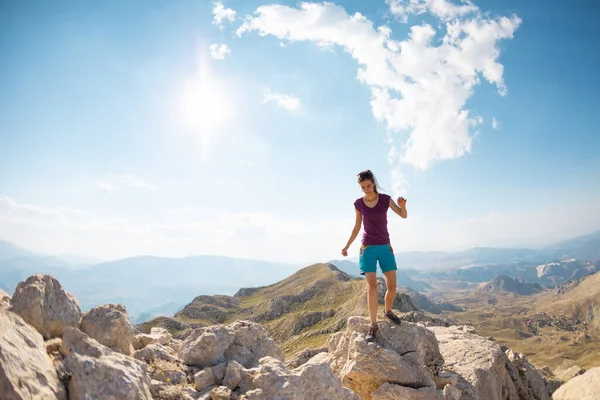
(4, 299)
(43, 304)
(581, 387)
(26, 370)
(303, 356)
(155, 352)
(109, 324)
(98, 372)
(313, 380)
(242, 341)
(157, 335)
(484, 370)
(405, 355)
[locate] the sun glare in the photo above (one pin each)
(203, 105)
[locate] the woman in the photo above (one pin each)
(371, 211)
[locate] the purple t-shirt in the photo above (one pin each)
(374, 221)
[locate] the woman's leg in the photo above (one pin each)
(387, 261)
(390, 285)
(371, 278)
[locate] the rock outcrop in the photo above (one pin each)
(109, 324)
(405, 355)
(581, 387)
(98, 372)
(156, 335)
(481, 369)
(26, 371)
(243, 341)
(43, 304)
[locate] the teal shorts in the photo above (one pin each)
(369, 255)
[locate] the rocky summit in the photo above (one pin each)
(50, 350)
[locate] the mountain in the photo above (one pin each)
(583, 248)
(503, 283)
(586, 247)
(424, 303)
(557, 272)
(78, 261)
(579, 300)
(475, 256)
(403, 279)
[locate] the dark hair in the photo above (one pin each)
(368, 175)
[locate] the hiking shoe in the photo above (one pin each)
(372, 332)
(392, 317)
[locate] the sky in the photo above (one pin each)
(237, 128)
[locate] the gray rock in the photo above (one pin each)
(242, 341)
(389, 391)
(26, 371)
(4, 299)
(43, 304)
(109, 324)
(98, 372)
(155, 352)
(485, 371)
(581, 387)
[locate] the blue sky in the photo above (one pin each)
(121, 134)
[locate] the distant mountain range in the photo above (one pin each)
(151, 286)
(582, 248)
(147, 286)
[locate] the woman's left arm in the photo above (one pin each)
(399, 208)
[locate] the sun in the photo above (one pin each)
(204, 105)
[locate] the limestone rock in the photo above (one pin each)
(581, 387)
(233, 375)
(405, 355)
(389, 391)
(53, 345)
(484, 370)
(173, 376)
(26, 371)
(220, 393)
(43, 304)
(204, 379)
(109, 324)
(527, 379)
(157, 335)
(242, 341)
(303, 356)
(154, 352)
(4, 299)
(313, 380)
(451, 392)
(98, 372)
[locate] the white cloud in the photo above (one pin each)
(220, 14)
(125, 180)
(219, 51)
(495, 123)
(285, 101)
(419, 85)
(442, 9)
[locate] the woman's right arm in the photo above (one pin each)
(355, 231)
